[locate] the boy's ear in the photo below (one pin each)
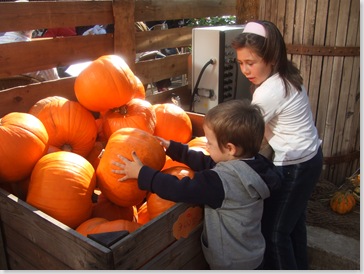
(232, 148)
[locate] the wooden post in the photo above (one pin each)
(124, 30)
(247, 10)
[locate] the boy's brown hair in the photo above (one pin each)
(238, 122)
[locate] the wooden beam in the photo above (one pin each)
(124, 30)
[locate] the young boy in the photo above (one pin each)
(231, 183)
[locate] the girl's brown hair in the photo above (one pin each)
(238, 122)
(272, 49)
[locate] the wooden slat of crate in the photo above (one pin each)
(36, 15)
(47, 53)
(165, 96)
(21, 99)
(17, 262)
(150, 71)
(3, 262)
(174, 257)
(137, 249)
(157, 39)
(25, 254)
(48, 234)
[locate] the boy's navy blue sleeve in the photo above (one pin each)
(205, 188)
(196, 160)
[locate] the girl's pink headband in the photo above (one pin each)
(255, 28)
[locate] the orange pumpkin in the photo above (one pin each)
(23, 141)
(140, 89)
(158, 205)
(342, 202)
(173, 123)
(93, 156)
(101, 225)
(38, 106)
(142, 214)
(137, 113)
(171, 163)
(61, 185)
(104, 208)
(123, 142)
(70, 126)
(199, 144)
(106, 83)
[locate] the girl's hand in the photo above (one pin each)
(130, 169)
(163, 142)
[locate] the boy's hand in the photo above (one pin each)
(163, 142)
(129, 168)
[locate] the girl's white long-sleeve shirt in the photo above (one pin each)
(290, 128)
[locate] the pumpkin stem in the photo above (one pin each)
(122, 110)
(67, 147)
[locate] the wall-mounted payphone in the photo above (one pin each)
(216, 76)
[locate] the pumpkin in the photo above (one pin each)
(172, 163)
(158, 205)
(104, 208)
(342, 202)
(38, 106)
(61, 185)
(106, 83)
(123, 142)
(199, 144)
(23, 141)
(142, 214)
(93, 156)
(139, 89)
(173, 123)
(101, 225)
(137, 113)
(70, 126)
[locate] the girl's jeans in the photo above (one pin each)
(284, 217)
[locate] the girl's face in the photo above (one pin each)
(213, 147)
(253, 66)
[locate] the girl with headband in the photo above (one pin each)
(277, 87)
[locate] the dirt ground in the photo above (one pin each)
(319, 213)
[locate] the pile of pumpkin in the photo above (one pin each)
(51, 156)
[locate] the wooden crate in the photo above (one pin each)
(32, 239)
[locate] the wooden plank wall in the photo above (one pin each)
(332, 77)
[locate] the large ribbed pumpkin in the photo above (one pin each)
(124, 141)
(38, 106)
(157, 205)
(173, 123)
(23, 141)
(61, 185)
(106, 83)
(137, 113)
(70, 126)
(139, 89)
